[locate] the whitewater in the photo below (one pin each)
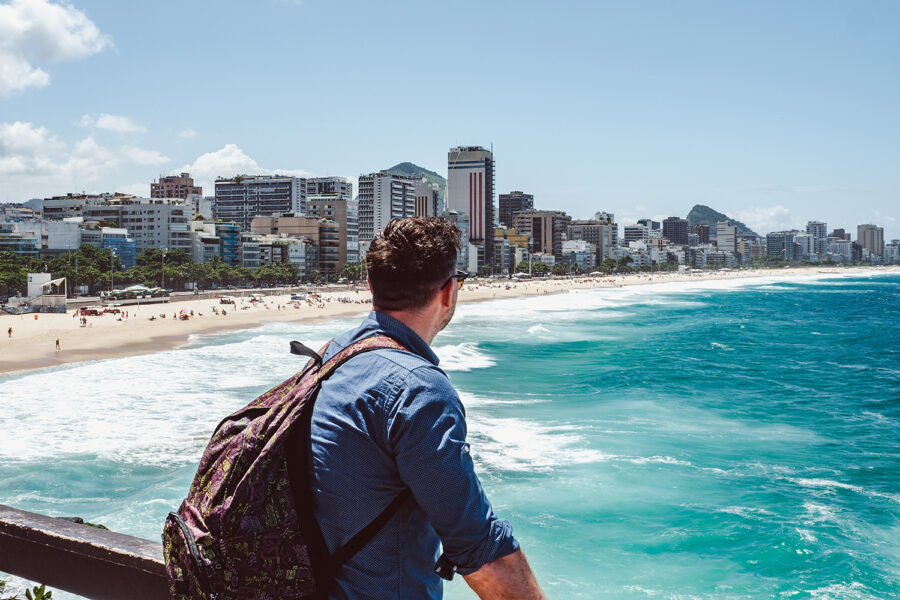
(716, 439)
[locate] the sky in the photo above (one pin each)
(775, 113)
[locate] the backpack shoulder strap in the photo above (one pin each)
(324, 564)
(376, 342)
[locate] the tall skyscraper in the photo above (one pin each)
(470, 191)
(344, 212)
(701, 230)
(780, 244)
(174, 186)
(241, 198)
(871, 237)
(819, 232)
(428, 197)
(726, 237)
(635, 233)
(675, 229)
(329, 186)
(511, 203)
(598, 233)
(382, 197)
(548, 228)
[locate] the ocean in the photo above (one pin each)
(709, 440)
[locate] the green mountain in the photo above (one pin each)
(412, 170)
(704, 215)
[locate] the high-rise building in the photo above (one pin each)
(512, 203)
(819, 232)
(841, 234)
(650, 224)
(701, 230)
(892, 252)
(635, 233)
(780, 244)
(151, 222)
(241, 198)
(675, 229)
(726, 237)
(871, 238)
(329, 186)
(609, 218)
(548, 229)
(383, 196)
(598, 233)
(345, 213)
(428, 199)
(470, 190)
(462, 223)
(175, 186)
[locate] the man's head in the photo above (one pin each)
(410, 262)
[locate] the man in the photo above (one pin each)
(389, 420)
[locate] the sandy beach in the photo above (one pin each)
(33, 341)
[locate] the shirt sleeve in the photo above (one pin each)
(427, 432)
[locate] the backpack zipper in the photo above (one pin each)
(194, 552)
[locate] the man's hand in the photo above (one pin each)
(507, 578)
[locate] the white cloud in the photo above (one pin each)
(24, 149)
(117, 123)
(229, 161)
(187, 134)
(144, 157)
(36, 162)
(39, 31)
(763, 219)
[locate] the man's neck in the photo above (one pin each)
(422, 324)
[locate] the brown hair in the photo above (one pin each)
(410, 260)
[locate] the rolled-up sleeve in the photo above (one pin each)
(427, 433)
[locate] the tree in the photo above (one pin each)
(561, 268)
(608, 265)
(199, 217)
(353, 272)
(13, 274)
(624, 262)
(537, 268)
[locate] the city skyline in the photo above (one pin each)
(774, 115)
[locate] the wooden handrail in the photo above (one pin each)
(84, 560)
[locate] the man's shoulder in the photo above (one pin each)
(408, 364)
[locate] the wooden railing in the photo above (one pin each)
(84, 560)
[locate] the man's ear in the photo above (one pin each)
(369, 283)
(446, 294)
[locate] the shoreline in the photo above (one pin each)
(106, 336)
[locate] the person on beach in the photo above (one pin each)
(57, 344)
(9, 331)
(390, 420)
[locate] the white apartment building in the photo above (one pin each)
(156, 222)
(819, 231)
(241, 198)
(382, 197)
(726, 237)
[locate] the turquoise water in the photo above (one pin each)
(710, 440)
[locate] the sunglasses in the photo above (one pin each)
(459, 276)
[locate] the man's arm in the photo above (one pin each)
(507, 578)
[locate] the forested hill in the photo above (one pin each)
(413, 170)
(704, 215)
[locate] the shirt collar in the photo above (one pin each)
(380, 323)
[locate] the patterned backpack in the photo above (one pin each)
(246, 529)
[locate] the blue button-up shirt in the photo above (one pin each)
(384, 421)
